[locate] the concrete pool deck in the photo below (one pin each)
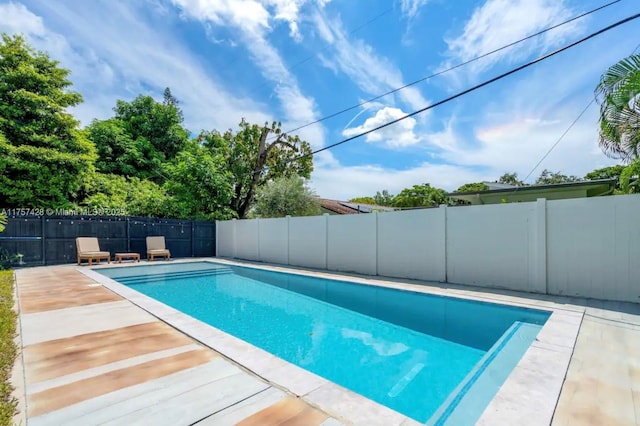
(93, 356)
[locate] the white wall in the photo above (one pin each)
(594, 248)
(273, 240)
(247, 240)
(308, 241)
(411, 244)
(351, 243)
(588, 247)
(225, 238)
(492, 246)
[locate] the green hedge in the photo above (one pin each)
(8, 350)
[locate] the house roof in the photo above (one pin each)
(589, 188)
(345, 207)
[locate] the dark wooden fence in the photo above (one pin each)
(50, 240)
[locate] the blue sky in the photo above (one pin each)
(297, 61)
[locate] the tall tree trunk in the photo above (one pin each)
(263, 153)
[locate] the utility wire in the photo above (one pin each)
(560, 138)
(474, 88)
(413, 83)
(566, 131)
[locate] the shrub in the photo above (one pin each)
(8, 350)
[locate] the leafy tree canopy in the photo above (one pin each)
(120, 154)
(618, 94)
(383, 198)
(255, 155)
(510, 179)
(134, 196)
(43, 155)
(611, 172)
(199, 184)
(142, 136)
(363, 200)
(286, 196)
(473, 187)
(630, 178)
(158, 122)
(420, 196)
(547, 177)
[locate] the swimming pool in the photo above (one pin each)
(429, 357)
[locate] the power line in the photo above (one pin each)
(413, 83)
(559, 139)
(566, 131)
(474, 88)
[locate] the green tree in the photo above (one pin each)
(611, 172)
(547, 177)
(383, 198)
(253, 159)
(199, 184)
(630, 178)
(473, 187)
(510, 179)
(618, 94)
(119, 153)
(420, 196)
(44, 157)
(158, 123)
(286, 196)
(134, 196)
(363, 200)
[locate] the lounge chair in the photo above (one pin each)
(157, 248)
(89, 250)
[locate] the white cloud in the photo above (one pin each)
(103, 71)
(288, 10)
(298, 108)
(251, 16)
(400, 134)
(346, 182)
(517, 143)
(372, 73)
(16, 19)
(500, 22)
(410, 8)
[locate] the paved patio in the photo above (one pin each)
(92, 357)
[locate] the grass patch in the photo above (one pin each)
(8, 349)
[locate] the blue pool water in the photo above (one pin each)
(429, 357)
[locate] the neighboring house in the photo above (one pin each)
(344, 207)
(501, 193)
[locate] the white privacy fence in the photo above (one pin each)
(587, 247)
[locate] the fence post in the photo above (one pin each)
(235, 222)
(377, 236)
(128, 235)
(288, 234)
(443, 208)
(259, 259)
(215, 237)
(193, 239)
(540, 247)
(326, 241)
(44, 249)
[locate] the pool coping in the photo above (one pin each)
(540, 373)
